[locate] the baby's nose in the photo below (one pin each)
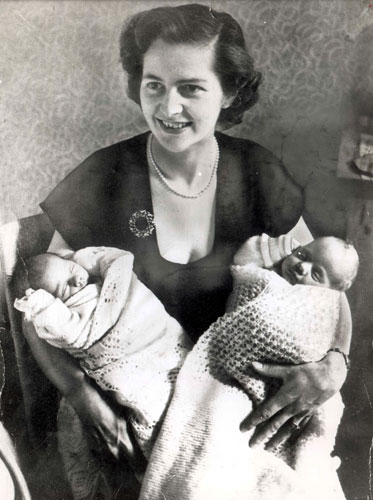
(300, 269)
(80, 280)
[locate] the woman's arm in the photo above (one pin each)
(90, 404)
(304, 388)
(59, 246)
(301, 233)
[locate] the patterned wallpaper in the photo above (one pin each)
(62, 90)
(62, 96)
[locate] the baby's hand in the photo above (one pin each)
(33, 302)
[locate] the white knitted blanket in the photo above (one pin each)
(200, 453)
(121, 334)
(140, 354)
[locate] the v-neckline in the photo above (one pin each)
(147, 187)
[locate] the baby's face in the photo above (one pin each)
(322, 262)
(63, 278)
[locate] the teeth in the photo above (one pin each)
(174, 125)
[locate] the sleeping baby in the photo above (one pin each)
(116, 327)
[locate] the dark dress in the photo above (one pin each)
(255, 194)
(93, 206)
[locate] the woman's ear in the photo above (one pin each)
(227, 101)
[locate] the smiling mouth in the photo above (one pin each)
(174, 125)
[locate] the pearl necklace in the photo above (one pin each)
(151, 160)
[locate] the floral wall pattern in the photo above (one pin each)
(63, 96)
(62, 90)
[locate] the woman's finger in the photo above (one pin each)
(293, 428)
(267, 410)
(270, 370)
(129, 447)
(275, 404)
(265, 432)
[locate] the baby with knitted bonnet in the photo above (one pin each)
(285, 307)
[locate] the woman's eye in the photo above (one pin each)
(153, 86)
(190, 89)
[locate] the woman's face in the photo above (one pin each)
(181, 96)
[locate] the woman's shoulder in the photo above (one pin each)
(279, 199)
(113, 155)
(251, 150)
(90, 191)
(103, 165)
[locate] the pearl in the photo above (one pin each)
(152, 162)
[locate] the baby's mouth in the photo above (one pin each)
(292, 276)
(174, 125)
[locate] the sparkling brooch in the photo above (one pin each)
(141, 223)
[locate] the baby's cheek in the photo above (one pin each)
(284, 266)
(71, 290)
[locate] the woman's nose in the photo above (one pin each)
(171, 104)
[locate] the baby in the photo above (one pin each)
(273, 315)
(116, 327)
(327, 261)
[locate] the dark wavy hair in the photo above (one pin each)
(194, 24)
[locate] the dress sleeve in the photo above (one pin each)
(59, 246)
(281, 198)
(77, 205)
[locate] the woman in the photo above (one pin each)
(182, 199)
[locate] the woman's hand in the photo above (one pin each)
(304, 388)
(107, 425)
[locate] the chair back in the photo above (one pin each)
(20, 240)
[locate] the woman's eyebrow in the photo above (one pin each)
(150, 76)
(192, 80)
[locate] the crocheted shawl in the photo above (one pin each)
(131, 346)
(201, 453)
